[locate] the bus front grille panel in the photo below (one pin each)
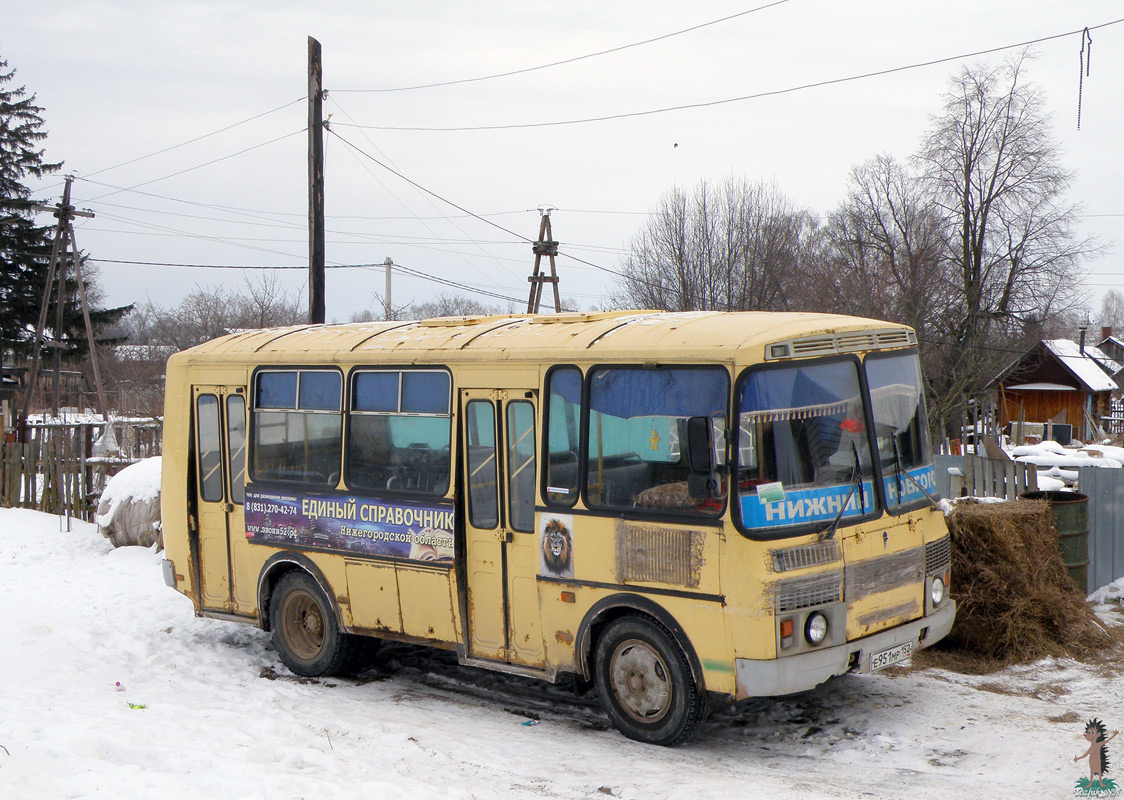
(809, 555)
(938, 556)
(884, 573)
(659, 555)
(816, 590)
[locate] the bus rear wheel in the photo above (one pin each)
(645, 682)
(305, 631)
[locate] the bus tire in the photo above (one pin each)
(645, 682)
(305, 631)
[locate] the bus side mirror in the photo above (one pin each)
(700, 445)
(704, 480)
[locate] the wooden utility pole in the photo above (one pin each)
(545, 246)
(386, 300)
(315, 184)
(64, 240)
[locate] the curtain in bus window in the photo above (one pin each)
(901, 428)
(210, 448)
(563, 421)
(801, 429)
(637, 434)
(399, 431)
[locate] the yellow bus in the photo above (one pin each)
(669, 507)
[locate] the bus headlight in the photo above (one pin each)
(936, 591)
(815, 628)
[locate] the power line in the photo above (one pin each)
(197, 166)
(711, 103)
(198, 138)
(566, 60)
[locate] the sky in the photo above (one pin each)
(185, 126)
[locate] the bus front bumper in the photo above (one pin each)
(798, 673)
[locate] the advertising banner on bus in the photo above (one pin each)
(349, 523)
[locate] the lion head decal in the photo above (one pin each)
(557, 549)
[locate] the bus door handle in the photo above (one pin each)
(229, 509)
(503, 534)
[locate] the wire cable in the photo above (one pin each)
(197, 138)
(712, 103)
(566, 60)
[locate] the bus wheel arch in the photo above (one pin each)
(645, 681)
(609, 609)
(274, 570)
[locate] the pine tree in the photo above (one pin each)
(25, 247)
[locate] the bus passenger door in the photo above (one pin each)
(498, 446)
(220, 476)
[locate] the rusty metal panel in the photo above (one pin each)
(659, 555)
(884, 573)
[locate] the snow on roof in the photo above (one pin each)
(1043, 387)
(1083, 367)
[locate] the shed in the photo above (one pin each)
(1056, 380)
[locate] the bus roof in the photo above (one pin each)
(567, 337)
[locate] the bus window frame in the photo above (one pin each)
(450, 415)
(922, 501)
(544, 477)
(734, 459)
(714, 518)
(252, 421)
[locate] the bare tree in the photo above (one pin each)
(1112, 311)
(736, 246)
(994, 170)
(886, 248)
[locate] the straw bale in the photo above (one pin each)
(1015, 600)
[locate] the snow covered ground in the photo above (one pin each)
(111, 688)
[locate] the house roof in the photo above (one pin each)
(1083, 367)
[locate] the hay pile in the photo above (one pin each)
(1015, 600)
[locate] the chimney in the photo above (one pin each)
(1082, 340)
(1106, 332)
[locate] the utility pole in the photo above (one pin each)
(545, 246)
(64, 240)
(315, 184)
(386, 300)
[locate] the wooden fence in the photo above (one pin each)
(62, 468)
(985, 477)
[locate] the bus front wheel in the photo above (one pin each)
(645, 682)
(305, 631)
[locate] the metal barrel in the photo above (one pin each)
(1071, 514)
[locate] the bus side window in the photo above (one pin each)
(480, 442)
(399, 429)
(298, 425)
(209, 448)
(236, 432)
(521, 465)
(563, 424)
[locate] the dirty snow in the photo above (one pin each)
(110, 687)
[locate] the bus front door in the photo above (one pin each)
(220, 478)
(501, 547)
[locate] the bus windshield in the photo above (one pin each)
(803, 450)
(901, 429)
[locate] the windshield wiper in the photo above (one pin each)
(910, 478)
(856, 480)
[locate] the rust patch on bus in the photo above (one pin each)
(564, 637)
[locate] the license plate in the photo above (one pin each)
(886, 658)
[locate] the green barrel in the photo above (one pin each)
(1071, 514)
